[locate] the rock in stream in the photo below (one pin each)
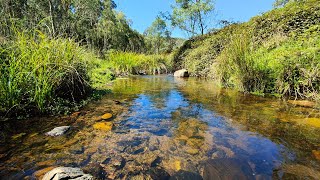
(65, 173)
(58, 131)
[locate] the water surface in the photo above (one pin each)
(170, 127)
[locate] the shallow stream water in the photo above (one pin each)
(166, 127)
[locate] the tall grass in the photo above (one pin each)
(288, 67)
(36, 70)
(38, 74)
(237, 66)
(295, 64)
(125, 63)
(277, 52)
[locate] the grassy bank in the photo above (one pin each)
(40, 74)
(125, 63)
(55, 75)
(277, 52)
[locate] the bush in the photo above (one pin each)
(289, 67)
(277, 52)
(36, 71)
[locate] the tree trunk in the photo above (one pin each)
(52, 18)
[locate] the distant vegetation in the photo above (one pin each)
(131, 63)
(93, 23)
(40, 74)
(55, 54)
(277, 52)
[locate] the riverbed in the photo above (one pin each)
(164, 127)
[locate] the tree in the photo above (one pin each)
(191, 16)
(156, 34)
(281, 3)
(94, 23)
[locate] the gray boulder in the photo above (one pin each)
(181, 73)
(58, 131)
(66, 173)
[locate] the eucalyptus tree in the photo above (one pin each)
(156, 35)
(192, 16)
(94, 23)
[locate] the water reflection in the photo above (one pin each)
(198, 131)
(174, 127)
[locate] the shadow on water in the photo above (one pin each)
(173, 128)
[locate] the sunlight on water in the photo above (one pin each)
(164, 127)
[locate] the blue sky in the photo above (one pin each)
(143, 12)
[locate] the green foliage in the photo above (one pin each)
(191, 15)
(157, 35)
(239, 68)
(94, 23)
(283, 65)
(100, 73)
(198, 53)
(37, 72)
(281, 3)
(276, 53)
(124, 63)
(294, 64)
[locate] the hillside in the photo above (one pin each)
(277, 52)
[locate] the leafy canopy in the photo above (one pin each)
(192, 16)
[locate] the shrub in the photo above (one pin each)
(277, 52)
(36, 70)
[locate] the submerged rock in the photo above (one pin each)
(156, 162)
(46, 163)
(75, 114)
(118, 162)
(192, 151)
(177, 165)
(58, 131)
(303, 103)
(227, 168)
(297, 171)
(106, 116)
(181, 73)
(66, 173)
(96, 170)
(316, 154)
(185, 175)
(105, 126)
(110, 165)
(40, 173)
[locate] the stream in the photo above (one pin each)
(164, 127)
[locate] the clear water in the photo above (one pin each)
(170, 127)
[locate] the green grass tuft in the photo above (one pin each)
(37, 71)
